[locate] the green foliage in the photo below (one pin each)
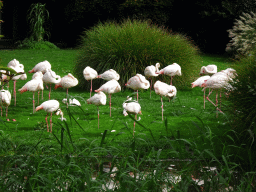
(243, 100)
(242, 34)
(1, 5)
(131, 46)
(39, 45)
(37, 17)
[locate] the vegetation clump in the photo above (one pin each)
(39, 45)
(131, 46)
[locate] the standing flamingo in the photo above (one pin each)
(150, 71)
(208, 70)
(138, 82)
(131, 107)
(98, 99)
(110, 87)
(199, 82)
(109, 75)
(90, 74)
(219, 81)
(171, 70)
(49, 106)
(67, 82)
(50, 77)
(36, 84)
(42, 66)
(5, 100)
(166, 90)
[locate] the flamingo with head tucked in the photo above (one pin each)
(5, 100)
(109, 75)
(150, 71)
(90, 74)
(208, 70)
(50, 77)
(171, 70)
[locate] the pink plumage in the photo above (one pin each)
(208, 70)
(109, 75)
(42, 66)
(171, 70)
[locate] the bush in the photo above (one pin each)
(243, 34)
(131, 46)
(243, 100)
(41, 45)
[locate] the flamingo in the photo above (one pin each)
(109, 75)
(132, 107)
(166, 90)
(36, 84)
(98, 99)
(72, 102)
(208, 70)
(171, 70)
(219, 81)
(42, 66)
(150, 71)
(138, 82)
(199, 82)
(49, 106)
(110, 87)
(50, 77)
(67, 82)
(90, 74)
(5, 100)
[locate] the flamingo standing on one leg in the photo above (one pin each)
(49, 106)
(208, 70)
(67, 82)
(110, 87)
(171, 70)
(199, 82)
(138, 82)
(36, 84)
(5, 100)
(90, 74)
(150, 71)
(166, 90)
(109, 75)
(131, 107)
(50, 77)
(98, 99)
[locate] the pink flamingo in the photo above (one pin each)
(90, 74)
(171, 70)
(150, 71)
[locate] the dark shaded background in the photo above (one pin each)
(205, 22)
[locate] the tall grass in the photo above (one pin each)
(130, 46)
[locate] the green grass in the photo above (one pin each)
(77, 149)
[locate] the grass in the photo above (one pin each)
(77, 149)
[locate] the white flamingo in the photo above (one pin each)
(42, 66)
(5, 100)
(110, 87)
(50, 77)
(131, 107)
(150, 71)
(90, 74)
(109, 75)
(49, 106)
(199, 82)
(72, 102)
(98, 99)
(36, 84)
(208, 70)
(67, 82)
(138, 82)
(166, 90)
(219, 81)
(171, 70)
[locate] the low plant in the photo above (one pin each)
(242, 34)
(37, 45)
(130, 46)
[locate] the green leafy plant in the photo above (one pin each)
(131, 46)
(37, 17)
(243, 36)
(1, 5)
(39, 45)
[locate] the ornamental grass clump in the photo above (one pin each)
(243, 34)
(131, 46)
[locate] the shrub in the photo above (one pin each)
(41, 45)
(243, 34)
(243, 99)
(131, 46)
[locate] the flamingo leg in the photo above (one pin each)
(204, 99)
(212, 102)
(47, 122)
(50, 91)
(67, 98)
(51, 123)
(33, 102)
(110, 104)
(38, 97)
(91, 89)
(137, 95)
(150, 87)
(1, 112)
(6, 110)
(98, 117)
(171, 81)
(42, 95)
(134, 124)
(162, 108)
(14, 92)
